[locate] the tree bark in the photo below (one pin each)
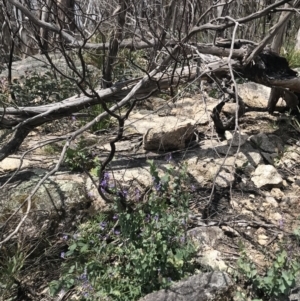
(114, 44)
(276, 93)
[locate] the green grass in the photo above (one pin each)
(292, 56)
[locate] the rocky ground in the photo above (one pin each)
(245, 184)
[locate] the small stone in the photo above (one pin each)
(291, 179)
(276, 216)
(286, 199)
(236, 138)
(262, 239)
(251, 196)
(271, 201)
(249, 170)
(248, 204)
(285, 184)
(224, 179)
(266, 176)
(277, 194)
(269, 157)
(288, 163)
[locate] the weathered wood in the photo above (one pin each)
(268, 69)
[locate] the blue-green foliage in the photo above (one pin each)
(126, 255)
(39, 89)
(82, 159)
(279, 278)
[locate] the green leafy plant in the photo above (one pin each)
(37, 89)
(132, 252)
(279, 278)
(10, 270)
(82, 159)
(292, 56)
(93, 112)
(213, 93)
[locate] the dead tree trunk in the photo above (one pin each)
(289, 97)
(114, 43)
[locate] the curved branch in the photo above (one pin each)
(14, 143)
(131, 44)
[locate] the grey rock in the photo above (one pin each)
(267, 144)
(254, 94)
(170, 136)
(224, 179)
(277, 194)
(206, 235)
(236, 138)
(269, 157)
(60, 190)
(215, 286)
(246, 158)
(266, 176)
(271, 202)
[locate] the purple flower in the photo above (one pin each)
(104, 182)
(281, 223)
(157, 186)
(193, 188)
(156, 218)
(137, 194)
(115, 217)
(62, 255)
(123, 193)
(75, 236)
(117, 232)
(65, 237)
(73, 118)
(103, 225)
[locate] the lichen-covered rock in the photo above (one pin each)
(169, 136)
(215, 286)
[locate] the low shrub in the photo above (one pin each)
(130, 253)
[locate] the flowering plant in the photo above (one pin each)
(128, 254)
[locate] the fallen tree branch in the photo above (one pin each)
(278, 74)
